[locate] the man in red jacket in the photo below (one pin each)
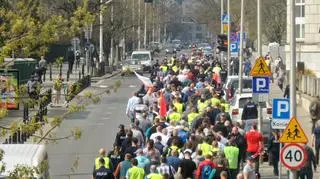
(254, 140)
(206, 162)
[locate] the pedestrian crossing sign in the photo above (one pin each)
(293, 133)
(260, 68)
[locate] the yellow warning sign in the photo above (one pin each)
(293, 133)
(260, 68)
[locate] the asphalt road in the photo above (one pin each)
(99, 123)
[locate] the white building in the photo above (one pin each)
(307, 34)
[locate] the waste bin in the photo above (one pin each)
(25, 66)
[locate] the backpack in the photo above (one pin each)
(207, 172)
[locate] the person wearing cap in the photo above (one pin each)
(107, 163)
(135, 172)
(249, 168)
(102, 172)
(153, 173)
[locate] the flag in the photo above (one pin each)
(145, 80)
(163, 106)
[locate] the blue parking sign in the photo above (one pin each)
(260, 84)
(234, 47)
(281, 109)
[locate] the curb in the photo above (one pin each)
(96, 79)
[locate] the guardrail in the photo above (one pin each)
(308, 85)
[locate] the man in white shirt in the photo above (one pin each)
(132, 102)
(159, 133)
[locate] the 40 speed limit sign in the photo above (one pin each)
(293, 156)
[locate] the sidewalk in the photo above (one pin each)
(304, 119)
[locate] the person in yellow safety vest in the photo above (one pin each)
(102, 154)
(216, 69)
(153, 173)
(174, 116)
(177, 103)
(205, 147)
(192, 115)
(173, 148)
(202, 103)
(172, 61)
(164, 68)
(175, 69)
(225, 105)
(215, 101)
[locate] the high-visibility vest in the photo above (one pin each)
(175, 116)
(205, 148)
(216, 69)
(191, 117)
(175, 69)
(173, 148)
(179, 107)
(202, 105)
(154, 176)
(164, 68)
(215, 101)
(171, 62)
(106, 162)
(226, 106)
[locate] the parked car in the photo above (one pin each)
(170, 49)
(232, 84)
(207, 51)
(145, 58)
(132, 65)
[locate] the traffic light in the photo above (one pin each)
(148, 1)
(222, 42)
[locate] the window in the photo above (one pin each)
(299, 31)
(300, 15)
(198, 28)
(198, 36)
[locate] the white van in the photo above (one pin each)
(30, 155)
(145, 58)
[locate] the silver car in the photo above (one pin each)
(132, 65)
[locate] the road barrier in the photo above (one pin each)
(309, 85)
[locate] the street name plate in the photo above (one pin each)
(279, 124)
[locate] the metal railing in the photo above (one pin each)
(308, 85)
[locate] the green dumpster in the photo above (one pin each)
(25, 66)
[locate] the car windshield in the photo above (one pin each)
(140, 56)
(132, 62)
(247, 83)
(243, 102)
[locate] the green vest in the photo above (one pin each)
(226, 106)
(215, 101)
(136, 173)
(205, 148)
(179, 107)
(191, 117)
(175, 116)
(173, 148)
(106, 162)
(154, 176)
(164, 68)
(232, 154)
(175, 69)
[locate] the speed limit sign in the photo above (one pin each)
(293, 156)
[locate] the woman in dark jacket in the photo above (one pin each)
(274, 148)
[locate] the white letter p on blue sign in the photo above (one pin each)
(281, 109)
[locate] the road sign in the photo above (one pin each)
(244, 36)
(293, 133)
(280, 113)
(233, 37)
(234, 47)
(260, 84)
(225, 19)
(260, 68)
(293, 156)
(234, 54)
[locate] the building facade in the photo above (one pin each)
(307, 18)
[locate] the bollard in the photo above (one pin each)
(50, 72)
(25, 112)
(79, 75)
(82, 70)
(68, 75)
(60, 70)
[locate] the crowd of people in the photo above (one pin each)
(181, 128)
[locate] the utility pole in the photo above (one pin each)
(145, 26)
(221, 30)
(153, 21)
(229, 30)
(111, 49)
(139, 23)
(158, 22)
(100, 36)
(293, 107)
(133, 24)
(241, 49)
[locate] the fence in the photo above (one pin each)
(20, 136)
(309, 85)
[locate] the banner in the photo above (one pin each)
(9, 85)
(145, 80)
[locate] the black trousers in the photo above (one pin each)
(317, 148)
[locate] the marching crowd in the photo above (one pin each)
(181, 128)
